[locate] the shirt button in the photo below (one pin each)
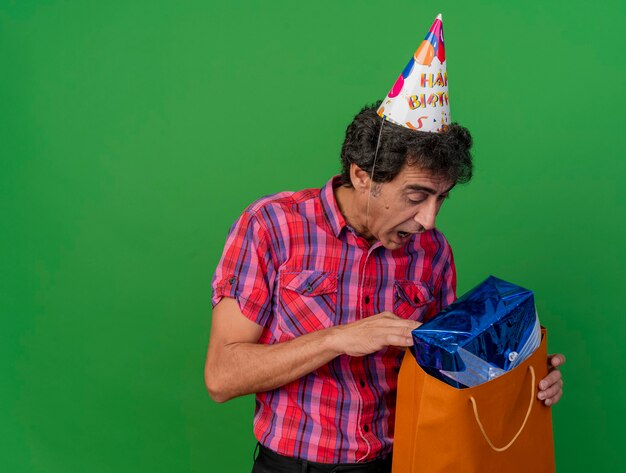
(232, 280)
(362, 383)
(367, 299)
(309, 288)
(366, 428)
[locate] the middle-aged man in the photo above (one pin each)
(317, 291)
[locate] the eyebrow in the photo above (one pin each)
(418, 188)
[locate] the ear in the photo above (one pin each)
(360, 178)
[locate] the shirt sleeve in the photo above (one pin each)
(246, 271)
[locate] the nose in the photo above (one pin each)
(426, 216)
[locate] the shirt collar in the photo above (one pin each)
(329, 205)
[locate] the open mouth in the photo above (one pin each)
(403, 234)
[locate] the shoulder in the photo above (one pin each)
(285, 200)
(272, 210)
(272, 218)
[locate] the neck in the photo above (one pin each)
(354, 211)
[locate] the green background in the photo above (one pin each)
(132, 134)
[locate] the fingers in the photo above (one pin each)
(393, 318)
(399, 340)
(400, 336)
(406, 335)
(551, 388)
(400, 329)
(393, 336)
(553, 377)
(554, 399)
(387, 320)
(415, 324)
(552, 395)
(556, 360)
(376, 332)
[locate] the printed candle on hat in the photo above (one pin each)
(419, 98)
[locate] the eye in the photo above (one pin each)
(417, 198)
(443, 197)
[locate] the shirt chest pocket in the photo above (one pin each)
(411, 299)
(307, 301)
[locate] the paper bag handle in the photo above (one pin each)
(530, 406)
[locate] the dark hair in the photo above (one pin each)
(444, 154)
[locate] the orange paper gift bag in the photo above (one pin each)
(499, 426)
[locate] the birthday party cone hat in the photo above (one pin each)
(419, 98)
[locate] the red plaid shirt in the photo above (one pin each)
(294, 266)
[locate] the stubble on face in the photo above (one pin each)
(376, 189)
(388, 212)
(405, 206)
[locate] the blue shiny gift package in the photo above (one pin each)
(486, 332)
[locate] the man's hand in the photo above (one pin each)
(551, 387)
(237, 364)
(373, 333)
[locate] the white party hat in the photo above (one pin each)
(419, 98)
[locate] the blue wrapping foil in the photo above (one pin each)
(488, 331)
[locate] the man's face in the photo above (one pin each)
(404, 206)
